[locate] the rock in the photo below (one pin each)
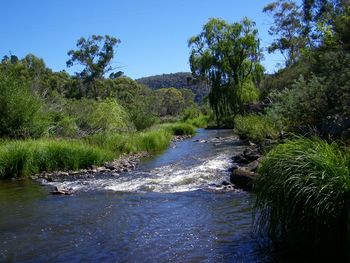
(115, 174)
(240, 159)
(109, 166)
(229, 187)
(243, 179)
(62, 174)
(251, 154)
(61, 191)
(42, 182)
(102, 169)
(225, 183)
(74, 172)
(93, 167)
(234, 167)
(252, 166)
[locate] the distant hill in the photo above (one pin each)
(177, 80)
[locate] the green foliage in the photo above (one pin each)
(171, 101)
(95, 55)
(248, 92)
(108, 116)
(288, 28)
(151, 141)
(178, 128)
(305, 103)
(308, 102)
(200, 122)
(141, 103)
(303, 197)
(256, 127)
(22, 158)
(284, 78)
(21, 112)
(227, 56)
(194, 117)
(93, 116)
(328, 22)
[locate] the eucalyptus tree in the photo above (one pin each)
(95, 54)
(329, 22)
(227, 56)
(288, 28)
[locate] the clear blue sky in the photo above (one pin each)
(154, 33)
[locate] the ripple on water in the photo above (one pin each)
(166, 179)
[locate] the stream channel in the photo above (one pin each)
(166, 210)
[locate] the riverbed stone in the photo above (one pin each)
(253, 166)
(243, 179)
(61, 191)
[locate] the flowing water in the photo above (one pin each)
(164, 211)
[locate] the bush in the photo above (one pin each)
(22, 158)
(303, 197)
(21, 112)
(93, 116)
(304, 104)
(256, 127)
(195, 118)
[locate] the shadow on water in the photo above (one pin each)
(163, 214)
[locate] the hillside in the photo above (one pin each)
(177, 80)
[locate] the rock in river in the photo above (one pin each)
(243, 178)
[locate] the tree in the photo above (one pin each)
(171, 101)
(288, 28)
(226, 55)
(329, 22)
(95, 54)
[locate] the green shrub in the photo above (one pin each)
(304, 104)
(303, 197)
(256, 127)
(91, 116)
(21, 113)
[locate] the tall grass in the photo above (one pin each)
(255, 127)
(200, 122)
(22, 158)
(151, 141)
(178, 128)
(303, 197)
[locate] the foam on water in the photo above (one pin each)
(166, 179)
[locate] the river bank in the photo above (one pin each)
(302, 186)
(22, 158)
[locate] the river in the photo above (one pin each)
(164, 211)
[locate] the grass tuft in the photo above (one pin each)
(303, 197)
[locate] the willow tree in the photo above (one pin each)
(227, 56)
